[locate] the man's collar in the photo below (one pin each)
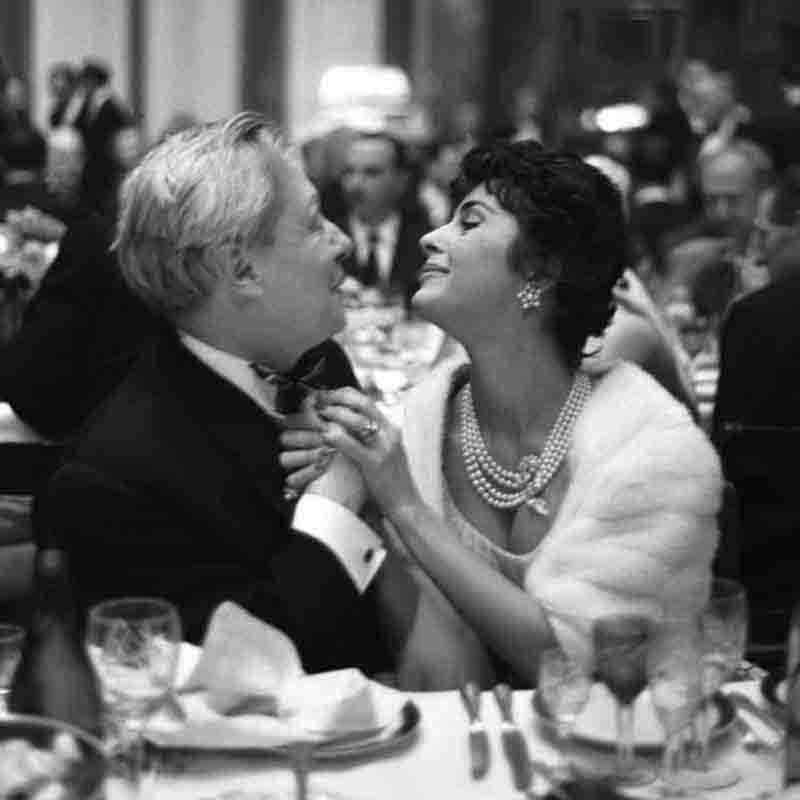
(234, 369)
(387, 229)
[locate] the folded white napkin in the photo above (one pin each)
(248, 690)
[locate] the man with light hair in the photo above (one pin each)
(175, 487)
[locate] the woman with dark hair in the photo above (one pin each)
(523, 490)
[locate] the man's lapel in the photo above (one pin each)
(228, 416)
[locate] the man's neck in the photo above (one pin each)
(219, 334)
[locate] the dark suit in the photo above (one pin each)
(16, 196)
(408, 257)
(101, 173)
(175, 489)
(80, 335)
(757, 406)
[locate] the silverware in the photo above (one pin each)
(514, 745)
(762, 729)
(477, 737)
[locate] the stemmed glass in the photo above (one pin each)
(724, 624)
(620, 653)
(11, 639)
(674, 669)
(564, 686)
(133, 644)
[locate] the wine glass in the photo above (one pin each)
(675, 672)
(133, 644)
(724, 625)
(620, 653)
(564, 686)
(11, 639)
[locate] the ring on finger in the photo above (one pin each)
(368, 431)
(290, 494)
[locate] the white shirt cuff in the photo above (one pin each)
(352, 541)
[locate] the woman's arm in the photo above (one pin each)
(507, 618)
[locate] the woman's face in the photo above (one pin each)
(467, 278)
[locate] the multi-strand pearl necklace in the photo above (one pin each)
(507, 488)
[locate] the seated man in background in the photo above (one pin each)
(756, 424)
(175, 486)
(24, 152)
(79, 336)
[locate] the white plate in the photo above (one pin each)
(597, 722)
(398, 722)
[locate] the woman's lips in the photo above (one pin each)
(430, 269)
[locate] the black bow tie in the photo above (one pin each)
(294, 386)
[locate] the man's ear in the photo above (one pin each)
(245, 278)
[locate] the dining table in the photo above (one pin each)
(434, 762)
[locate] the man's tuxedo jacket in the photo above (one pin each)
(175, 490)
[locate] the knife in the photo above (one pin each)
(477, 737)
(764, 726)
(514, 745)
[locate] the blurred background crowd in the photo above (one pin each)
(692, 107)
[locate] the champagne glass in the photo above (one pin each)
(564, 686)
(724, 624)
(620, 652)
(674, 668)
(11, 639)
(133, 644)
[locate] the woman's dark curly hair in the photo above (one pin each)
(572, 228)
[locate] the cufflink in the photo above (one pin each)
(369, 554)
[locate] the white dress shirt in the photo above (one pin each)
(356, 546)
(386, 233)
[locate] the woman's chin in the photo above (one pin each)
(427, 297)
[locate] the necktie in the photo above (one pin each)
(370, 276)
(292, 387)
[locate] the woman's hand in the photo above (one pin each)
(356, 428)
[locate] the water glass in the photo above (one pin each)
(674, 669)
(133, 644)
(11, 640)
(724, 627)
(564, 686)
(620, 644)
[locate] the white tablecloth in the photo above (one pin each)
(435, 766)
